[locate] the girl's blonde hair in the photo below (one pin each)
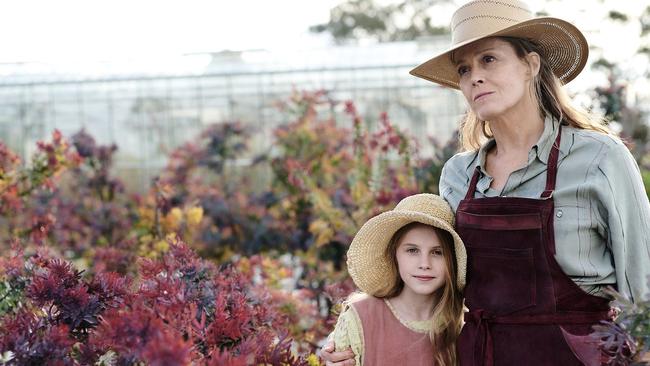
(448, 312)
(547, 89)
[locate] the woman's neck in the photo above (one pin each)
(515, 136)
(412, 306)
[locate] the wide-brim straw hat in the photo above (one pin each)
(562, 44)
(367, 263)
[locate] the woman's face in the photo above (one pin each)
(494, 80)
(421, 261)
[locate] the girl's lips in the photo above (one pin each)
(424, 278)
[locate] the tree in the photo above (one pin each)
(617, 99)
(403, 21)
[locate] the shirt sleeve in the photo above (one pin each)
(454, 180)
(444, 185)
(348, 333)
(627, 212)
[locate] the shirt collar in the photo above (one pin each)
(541, 149)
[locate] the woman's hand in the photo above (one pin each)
(331, 358)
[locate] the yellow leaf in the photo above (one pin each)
(194, 216)
(161, 246)
(317, 226)
(312, 360)
(174, 218)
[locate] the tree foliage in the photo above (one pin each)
(367, 19)
(613, 98)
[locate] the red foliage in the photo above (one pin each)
(34, 341)
(138, 334)
(183, 309)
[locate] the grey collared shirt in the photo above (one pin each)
(602, 214)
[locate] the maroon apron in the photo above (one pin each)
(523, 309)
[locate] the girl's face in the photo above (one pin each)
(494, 80)
(421, 261)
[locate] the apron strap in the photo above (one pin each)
(472, 184)
(551, 170)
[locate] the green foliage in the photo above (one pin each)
(10, 297)
(618, 16)
(645, 22)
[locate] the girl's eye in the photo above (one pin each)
(437, 252)
(462, 70)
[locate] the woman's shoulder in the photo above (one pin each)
(591, 138)
(463, 158)
(601, 147)
(461, 163)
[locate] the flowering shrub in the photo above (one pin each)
(325, 180)
(35, 182)
(627, 340)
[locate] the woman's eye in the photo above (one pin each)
(411, 250)
(463, 70)
(488, 58)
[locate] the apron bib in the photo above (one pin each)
(523, 309)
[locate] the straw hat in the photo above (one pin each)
(367, 264)
(563, 45)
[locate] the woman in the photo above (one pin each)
(551, 207)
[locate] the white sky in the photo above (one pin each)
(77, 31)
(91, 30)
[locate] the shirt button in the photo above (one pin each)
(559, 214)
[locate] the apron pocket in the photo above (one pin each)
(528, 221)
(500, 280)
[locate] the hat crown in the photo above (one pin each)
(428, 204)
(481, 17)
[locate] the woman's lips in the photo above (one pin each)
(480, 95)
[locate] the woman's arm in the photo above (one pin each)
(627, 214)
(332, 358)
(346, 339)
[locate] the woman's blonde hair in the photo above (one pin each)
(448, 312)
(548, 91)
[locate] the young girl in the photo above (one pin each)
(410, 265)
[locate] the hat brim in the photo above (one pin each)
(563, 45)
(367, 264)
